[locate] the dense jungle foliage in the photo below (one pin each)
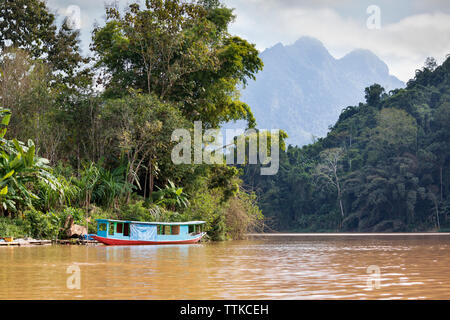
(384, 166)
(97, 129)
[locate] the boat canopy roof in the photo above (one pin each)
(154, 223)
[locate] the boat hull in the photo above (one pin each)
(124, 242)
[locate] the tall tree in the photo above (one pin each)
(30, 26)
(180, 51)
(373, 94)
(140, 128)
(328, 172)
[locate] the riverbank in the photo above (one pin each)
(36, 242)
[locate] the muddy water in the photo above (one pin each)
(269, 267)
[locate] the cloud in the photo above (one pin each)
(432, 5)
(91, 12)
(403, 45)
(410, 30)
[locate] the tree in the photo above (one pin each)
(395, 133)
(179, 51)
(442, 146)
(430, 64)
(140, 127)
(154, 43)
(20, 170)
(28, 25)
(43, 76)
(15, 82)
(69, 66)
(24, 89)
(374, 94)
(327, 172)
(40, 112)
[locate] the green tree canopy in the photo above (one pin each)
(181, 52)
(30, 26)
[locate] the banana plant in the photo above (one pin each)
(20, 170)
(171, 197)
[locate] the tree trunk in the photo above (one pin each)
(145, 184)
(437, 217)
(148, 81)
(78, 159)
(151, 180)
(436, 208)
(92, 130)
(342, 208)
(339, 193)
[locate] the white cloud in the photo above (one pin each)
(403, 41)
(403, 45)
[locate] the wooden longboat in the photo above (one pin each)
(117, 232)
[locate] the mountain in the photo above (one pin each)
(303, 88)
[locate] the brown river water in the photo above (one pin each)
(297, 266)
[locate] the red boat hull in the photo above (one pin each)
(120, 242)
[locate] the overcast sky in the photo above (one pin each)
(406, 32)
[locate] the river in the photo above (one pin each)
(401, 266)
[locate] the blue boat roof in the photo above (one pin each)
(154, 223)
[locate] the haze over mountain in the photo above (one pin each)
(303, 88)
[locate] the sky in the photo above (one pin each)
(403, 33)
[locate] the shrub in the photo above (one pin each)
(78, 214)
(136, 211)
(206, 205)
(217, 230)
(99, 213)
(15, 227)
(242, 215)
(41, 225)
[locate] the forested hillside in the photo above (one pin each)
(384, 166)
